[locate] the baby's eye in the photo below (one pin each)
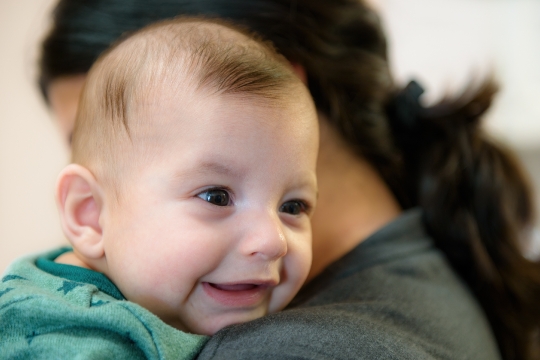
(293, 207)
(217, 197)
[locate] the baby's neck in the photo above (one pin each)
(70, 258)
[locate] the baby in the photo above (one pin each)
(187, 203)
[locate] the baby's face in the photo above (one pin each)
(213, 225)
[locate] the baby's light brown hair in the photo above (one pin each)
(204, 54)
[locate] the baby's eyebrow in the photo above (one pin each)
(207, 167)
(214, 167)
(308, 182)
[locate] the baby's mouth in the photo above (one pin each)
(234, 287)
(237, 295)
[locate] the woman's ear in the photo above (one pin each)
(79, 199)
(300, 71)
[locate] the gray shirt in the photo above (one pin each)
(392, 297)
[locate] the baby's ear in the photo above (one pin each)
(79, 199)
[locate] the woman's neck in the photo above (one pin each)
(353, 203)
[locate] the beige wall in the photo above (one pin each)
(31, 151)
(440, 42)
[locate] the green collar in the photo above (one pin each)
(77, 274)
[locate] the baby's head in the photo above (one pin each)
(193, 179)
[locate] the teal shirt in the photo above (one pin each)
(57, 311)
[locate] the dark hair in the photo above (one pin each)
(476, 200)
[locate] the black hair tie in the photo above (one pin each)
(405, 109)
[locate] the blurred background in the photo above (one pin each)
(443, 44)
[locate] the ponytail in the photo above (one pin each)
(477, 206)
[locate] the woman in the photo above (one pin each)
(421, 219)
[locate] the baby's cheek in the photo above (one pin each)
(301, 257)
(281, 296)
(295, 272)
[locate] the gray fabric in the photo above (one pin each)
(392, 297)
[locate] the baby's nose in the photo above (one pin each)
(264, 238)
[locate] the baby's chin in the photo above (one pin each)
(218, 322)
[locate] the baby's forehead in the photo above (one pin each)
(169, 106)
(204, 118)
